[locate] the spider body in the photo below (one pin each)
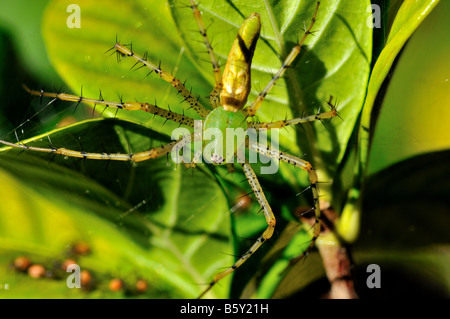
(235, 88)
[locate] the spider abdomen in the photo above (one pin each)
(236, 75)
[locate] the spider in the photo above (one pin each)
(228, 100)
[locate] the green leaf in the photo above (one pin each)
(22, 24)
(410, 15)
(174, 237)
(414, 116)
(341, 47)
(406, 218)
(336, 62)
(78, 54)
(406, 21)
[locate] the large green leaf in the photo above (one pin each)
(184, 224)
(337, 62)
(410, 15)
(408, 18)
(79, 55)
(414, 116)
(175, 238)
(405, 222)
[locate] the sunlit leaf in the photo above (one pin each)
(410, 15)
(166, 224)
(175, 236)
(414, 116)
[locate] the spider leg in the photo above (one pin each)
(313, 180)
(129, 106)
(282, 123)
(267, 234)
(176, 83)
(214, 95)
(133, 157)
(194, 161)
(251, 110)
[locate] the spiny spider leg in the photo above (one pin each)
(310, 118)
(313, 180)
(128, 106)
(267, 234)
(214, 95)
(136, 157)
(176, 83)
(251, 110)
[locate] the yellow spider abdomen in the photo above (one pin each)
(236, 75)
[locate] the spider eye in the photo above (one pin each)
(217, 159)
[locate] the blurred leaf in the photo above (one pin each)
(410, 195)
(22, 20)
(409, 17)
(414, 116)
(406, 217)
(79, 56)
(336, 63)
(175, 238)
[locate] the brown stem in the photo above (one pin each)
(335, 256)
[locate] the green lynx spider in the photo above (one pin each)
(227, 99)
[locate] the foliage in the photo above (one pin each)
(180, 236)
